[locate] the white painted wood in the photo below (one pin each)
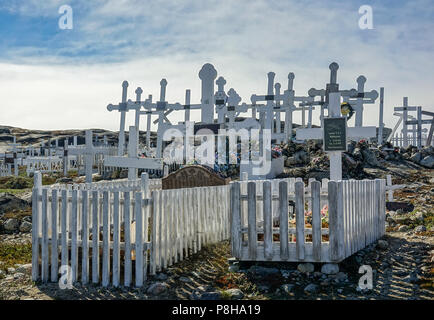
(283, 215)
(54, 233)
(105, 239)
(299, 219)
(64, 229)
(139, 239)
(85, 237)
(37, 184)
(95, 237)
(235, 219)
(127, 239)
(252, 235)
(316, 220)
(74, 235)
(44, 249)
(116, 240)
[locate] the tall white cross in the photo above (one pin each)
(334, 107)
(207, 75)
(133, 162)
(405, 108)
(122, 108)
(417, 131)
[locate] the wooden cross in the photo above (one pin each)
(122, 107)
(419, 122)
(133, 162)
(318, 133)
(207, 75)
(89, 152)
(360, 99)
(405, 108)
(332, 86)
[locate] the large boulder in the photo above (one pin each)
(9, 202)
(428, 162)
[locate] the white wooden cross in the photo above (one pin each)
(207, 75)
(419, 122)
(133, 162)
(89, 152)
(360, 99)
(405, 108)
(317, 133)
(122, 107)
(390, 187)
(332, 86)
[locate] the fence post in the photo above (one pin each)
(16, 166)
(65, 158)
(165, 171)
(144, 181)
(37, 185)
(336, 227)
(235, 219)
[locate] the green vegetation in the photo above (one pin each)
(12, 254)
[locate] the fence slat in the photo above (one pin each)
(283, 214)
(35, 235)
(74, 239)
(251, 209)
(85, 237)
(154, 233)
(316, 220)
(116, 239)
(299, 219)
(44, 250)
(105, 240)
(54, 233)
(139, 239)
(127, 239)
(268, 221)
(236, 219)
(95, 236)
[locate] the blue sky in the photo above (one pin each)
(56, 79)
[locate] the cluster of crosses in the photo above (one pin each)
(416, 121)
(269, 107)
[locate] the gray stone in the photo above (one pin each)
(161, 276)
(234, 268)
(420, 229)
(330, 268)
(262, 271)
(10, 202)
(382, 244)
(185, 279)
(416, 157)
(25, 268)
(305, 267)
(157, 288)
(19, 276)
(428, 162)
(11, 270)
(26, 226)
(311, 288)
(287, 288)
(234, 293)
(419, 216)
(11, 225)
(403, 228)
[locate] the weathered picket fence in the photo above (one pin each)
(5, 170)
(355, 209)
(117, 234)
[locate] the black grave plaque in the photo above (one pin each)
(335, 134)
(214, 127)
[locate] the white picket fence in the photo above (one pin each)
(398, 140)
(122, 232)
(356, 218)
